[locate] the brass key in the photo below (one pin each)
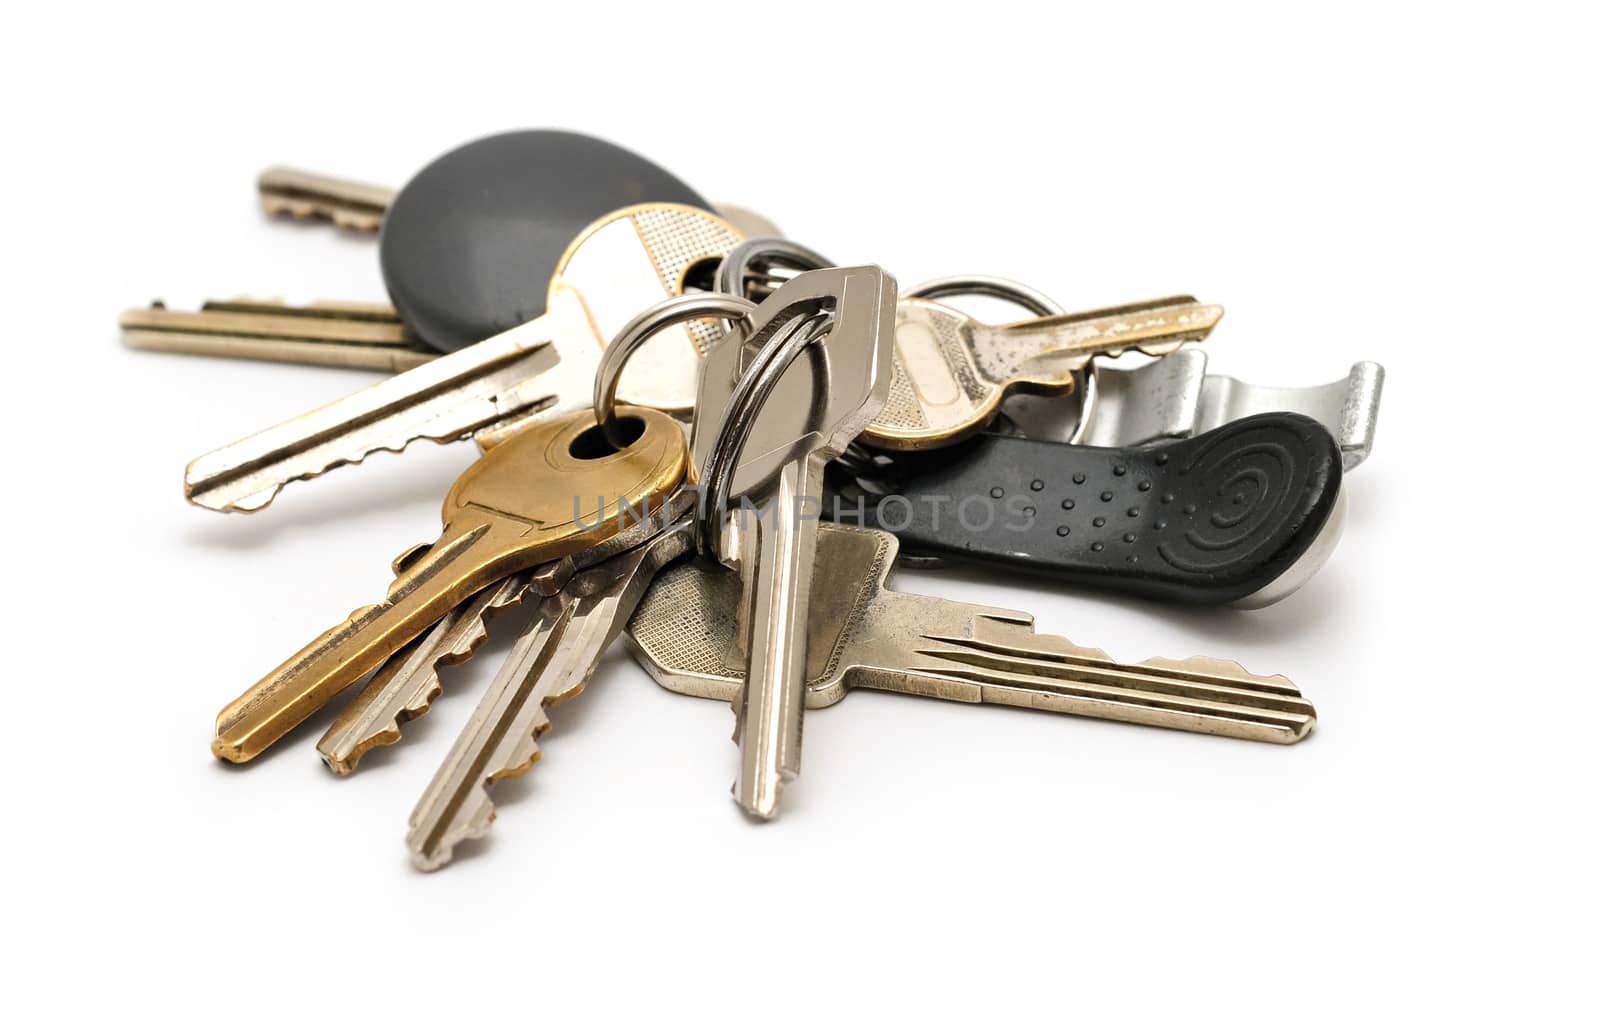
(515, 508)
(951, 371)
(865, 635)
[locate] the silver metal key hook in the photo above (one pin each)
(738, 268)
(675, 311)
(750, 393)
(1087, 389)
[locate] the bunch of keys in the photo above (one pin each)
(835, 395)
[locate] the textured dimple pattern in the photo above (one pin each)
(904, 414)
(1209, 519)
(673, 620)
(676, 238)
(950, 330)
(903, 410)
(1234, 490)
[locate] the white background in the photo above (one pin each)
(1410, 185)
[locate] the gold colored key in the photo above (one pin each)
(951, 371)
(538, 497)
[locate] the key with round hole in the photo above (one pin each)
(516, 508)
(623, 262)
(864, 635)
(818, 407)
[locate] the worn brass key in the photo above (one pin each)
(513, 509)
(951, 371)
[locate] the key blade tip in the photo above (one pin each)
(231, 751)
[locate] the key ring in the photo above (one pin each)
(738, 265)
(674, 311)
(737, 271)
(755, 385)
(749, 395)
(1009, 290)
(1029, 299)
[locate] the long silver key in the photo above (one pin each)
(820, 405)
(1174, 397)
(865, 635)
(624, 262)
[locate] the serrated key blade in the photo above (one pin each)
(442, 400)
(552, 662)
(405, 687)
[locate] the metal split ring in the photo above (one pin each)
(1009, 290)
(674, 311)
(738, 266)
(738, 270)
(755, 385)
(1088, 387)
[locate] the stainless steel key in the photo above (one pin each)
(1174, 397)
(865, 635)
(820, 405)
(624, 262)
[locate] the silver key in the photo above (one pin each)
(865, 635)
(1173, 397)
(494, 388)
(819, 406)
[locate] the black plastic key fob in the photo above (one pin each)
(1211, 519)
(468, 246)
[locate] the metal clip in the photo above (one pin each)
(1173, 397)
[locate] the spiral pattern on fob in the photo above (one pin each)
(1236, 493)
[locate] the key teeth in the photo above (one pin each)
(194, 491)
(480, 805)
(463, 648)
(1214, 666)
(443, 853)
